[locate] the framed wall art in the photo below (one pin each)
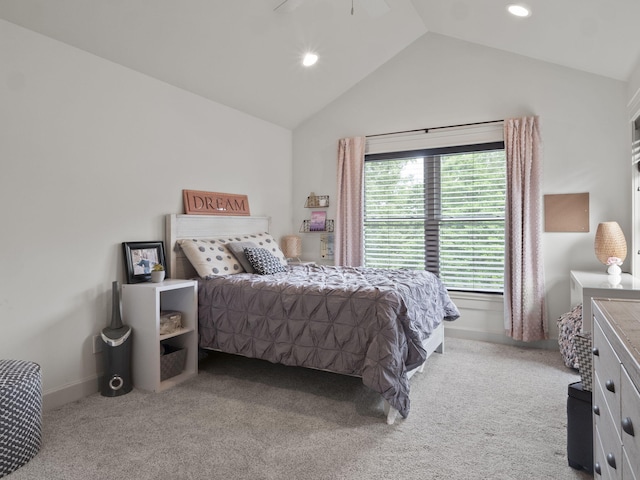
(140, 258)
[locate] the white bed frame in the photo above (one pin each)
(206, 226)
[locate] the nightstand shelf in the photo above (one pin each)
(176, 333)
(306, 227)
(141, 307)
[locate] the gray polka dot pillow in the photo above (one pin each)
(212, 256)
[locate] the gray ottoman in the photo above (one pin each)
(20, 413)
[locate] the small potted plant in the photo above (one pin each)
(157, 274)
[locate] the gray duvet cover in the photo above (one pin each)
(356, 321)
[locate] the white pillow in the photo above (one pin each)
(210, 257)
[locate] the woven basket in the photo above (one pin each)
(172, 361)
(583, 351)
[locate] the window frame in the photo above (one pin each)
(431, 219)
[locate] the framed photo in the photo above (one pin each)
(140, 258)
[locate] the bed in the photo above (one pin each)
(377, 324)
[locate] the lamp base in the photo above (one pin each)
(614, 270)
(614, 281)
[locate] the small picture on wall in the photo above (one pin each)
(318, 221)
(326, 246)
(140, 258)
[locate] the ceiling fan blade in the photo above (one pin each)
(287, 6)
(375, 8)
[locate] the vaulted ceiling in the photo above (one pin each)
(246, 53)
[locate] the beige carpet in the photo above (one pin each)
(479, 411)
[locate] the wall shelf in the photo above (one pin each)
(317, 201)
(306, 227)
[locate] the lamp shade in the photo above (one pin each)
(291, 246)
(610, 242)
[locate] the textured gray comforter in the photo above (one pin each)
(357, 321)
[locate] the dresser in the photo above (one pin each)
(616, 383)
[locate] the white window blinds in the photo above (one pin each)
(438, 209)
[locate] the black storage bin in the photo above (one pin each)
(579, 428)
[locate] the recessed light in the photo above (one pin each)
(519, 10)
(309, 59)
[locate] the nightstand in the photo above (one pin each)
(588, 285)
(141, 307)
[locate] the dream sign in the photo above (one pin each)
(214, 203)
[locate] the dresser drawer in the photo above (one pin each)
(610, 454)
(630, 419)
(600, 469)
(606, 365)
(603, 418)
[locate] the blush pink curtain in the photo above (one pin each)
(349, 241)
(525, 312)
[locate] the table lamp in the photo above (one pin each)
(610, 246)
(292, 247)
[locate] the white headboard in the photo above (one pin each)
(203, 226)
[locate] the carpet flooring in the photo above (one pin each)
(479, 411)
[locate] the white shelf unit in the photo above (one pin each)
(141, 306)
(588, 285)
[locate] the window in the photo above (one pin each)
(439, 209)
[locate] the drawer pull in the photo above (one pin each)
(611, 460)
(596, 409)
(597, 469)
(627, 426)
(595, 351)
(609, 385)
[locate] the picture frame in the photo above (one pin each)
(140, 258)
(318, 221)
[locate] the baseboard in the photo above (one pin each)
(70, 393)
(450, 331)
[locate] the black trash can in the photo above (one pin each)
(579, 428)
(116, 349)
(117, 360)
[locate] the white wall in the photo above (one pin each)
(440, 81)
(634, 81)
(93, 154)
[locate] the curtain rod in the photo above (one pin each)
(426, 130)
